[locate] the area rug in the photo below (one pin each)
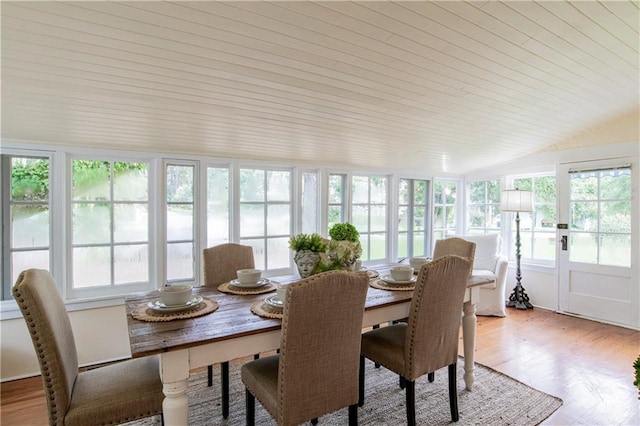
(496, 400)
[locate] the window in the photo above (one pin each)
(444, 206)
(538, 229)
(369, 214)
(218, 224)
(483, 206)
(180, 209)
(413, 208)
(601, 217)
(309, 203)
(336, 209)
(265, 216)
(109, 214)
(26, 217)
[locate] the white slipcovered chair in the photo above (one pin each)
(489, 262)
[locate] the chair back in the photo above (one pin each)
(221, 262)
(50, 329)
(456, 246)
(434, 319)
(320, 346)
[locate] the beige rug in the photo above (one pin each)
(496, 399)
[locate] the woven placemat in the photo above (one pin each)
(144, 313)
(383, 285)
(228, 288)
(372, 274)
(261, 309)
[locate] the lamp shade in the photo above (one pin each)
(515, 200)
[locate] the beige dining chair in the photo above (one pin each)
(221, 264)
(316, 371)
(429, 339)
(112, 394)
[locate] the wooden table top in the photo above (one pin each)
(233, 319)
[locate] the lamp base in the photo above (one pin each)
(519, 298)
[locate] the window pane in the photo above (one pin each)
(251, 185)
(378, 190)
(493, 191)
(91, 180)
(451, 217)
(403, 219)
(278, 186)
(179, 261)
(278, 253)
(360, 189)
(131, 223)
(584, 216)
(130, 182)
(476, 216)
(180, 184)
(615, 216)
(477, 192)
(21, 260)
(378, 218)
(420, 192)
(544, 246)
(584, 248)
(378, 246)
(360, 216)
(402, 245)
(418, 244)
(545, 217)
(278, 220)
(217, 206)
(252, 220)
(419, 219)
(309, 203)
(403, 191)
(131, 264)
(545, 189)
(615, 250)
(336, 187)
(438, 219)
(179, 222)
(258, 251)
(91, 224)
(29, 179)
(584, 186)
(334, 215)
(91, 267)
(615, 185)
(29, 226)
(523, 184)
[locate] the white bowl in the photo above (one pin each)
(248, 276)
(401, 273)
(417, 262)
(175, 295)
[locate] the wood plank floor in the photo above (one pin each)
(587, 364)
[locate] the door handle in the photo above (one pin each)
(563, 241)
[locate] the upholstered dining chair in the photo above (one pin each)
(221, 264)
(429, 339)
(316, 371)
(112, 394)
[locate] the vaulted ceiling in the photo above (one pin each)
(439, 87)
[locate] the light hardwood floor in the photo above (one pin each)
(587, 364)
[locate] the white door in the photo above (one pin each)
(598, 250)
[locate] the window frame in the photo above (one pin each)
(411, 207)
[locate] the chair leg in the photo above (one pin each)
(431, 377)
(411, 402)
(250, 407)
(361, 383)
(375, 326)
(314, 421)
(401, 382)
(210, 375)
(224, 368)
(353, 415)
(453, 393)
(256, 356)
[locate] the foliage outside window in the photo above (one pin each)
(336, 203)
(309, 203)
(110, 223)
(483, 207)
(369, 214)
(26, 217)
(218, 223)
(445, 193)
(180, 210)
(538, 228)
(413, 208)
(265, 216)
(601, 217)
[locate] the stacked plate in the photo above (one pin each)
(158, 306)
(274, 302)
(260, 283)
(389, 280)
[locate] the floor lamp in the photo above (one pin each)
(514, 200)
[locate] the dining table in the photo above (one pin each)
(233, 331)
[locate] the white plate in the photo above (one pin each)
(261, 282)
(390, 280)
(158, 306)
(274, 302)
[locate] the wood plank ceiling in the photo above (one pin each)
(432, 87)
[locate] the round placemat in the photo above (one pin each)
(372, 273)
(144, 313)
(382, 285)
(228, 288)
(261, 309)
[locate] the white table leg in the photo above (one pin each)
(469, 324)
(174, 371)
